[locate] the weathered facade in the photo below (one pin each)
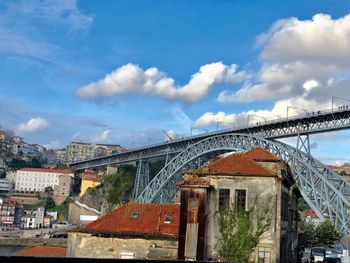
(235, 182)
(134, 230)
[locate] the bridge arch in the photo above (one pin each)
(323, 189)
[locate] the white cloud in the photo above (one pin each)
(103, 137)
(53, 145)
(21, 35)
(295, 52)
(33, 125)
(131, 78)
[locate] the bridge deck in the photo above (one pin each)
(308, 123)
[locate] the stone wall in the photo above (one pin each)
(88, 246)
(75, 211)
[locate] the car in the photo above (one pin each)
(318, 254)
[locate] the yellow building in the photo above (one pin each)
(89, 179)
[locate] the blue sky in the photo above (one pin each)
(125, 71)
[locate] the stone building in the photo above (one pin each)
(133, 231)
(64, 188)
(234, 182)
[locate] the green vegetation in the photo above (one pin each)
(240, 231)
(61, 166)
(62, 209)
(119, 183)
(302, 205)
(322, 235)
(19, 163)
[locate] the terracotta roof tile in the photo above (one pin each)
(92, 176)
(197, 181)
(45, 170)
(149, 220)
(260, 154)
(234, 164)
(43, 251)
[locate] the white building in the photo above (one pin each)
(37, 179)
(6, 185)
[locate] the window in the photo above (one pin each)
(224, 199)
(168, 219)
(134, 214)
(264, 255)
(240, 200)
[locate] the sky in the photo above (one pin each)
(129, 72)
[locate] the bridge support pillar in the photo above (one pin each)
(142, 178)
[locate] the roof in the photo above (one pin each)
(196, 181)
(46, 170)
(43, 251)
(148, 221)
(90, 175)
(234, 164)
(260, 154)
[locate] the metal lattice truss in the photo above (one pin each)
(282, 128)
(142, 178)
(324, 190)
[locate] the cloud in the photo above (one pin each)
(295, 52)
(24, 26)
(103, 137)
(33, 125)
(53, 145)
(131, 78)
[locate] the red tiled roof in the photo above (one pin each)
(45, 170)
(260, 154)
(89, 175)
(234, 164)
(197, 181)
(43, 251)
(150, 221)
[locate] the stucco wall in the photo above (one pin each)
(267, 186)
(88, 246)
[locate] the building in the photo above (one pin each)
(89, 179)
(6, 185)
(39, 217)
(37, 179)
(80, 214)
(106, 149)
(63, 189)
(132, 231)
(235, 182)
(60, 156)
(10, 213)
(42, 251)
(78, 151)
(28, 220)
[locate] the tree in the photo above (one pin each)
(50, 203)
(241, 231)
(61, 166)
(322, 235)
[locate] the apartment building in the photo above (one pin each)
(37, 179)
(77, 151)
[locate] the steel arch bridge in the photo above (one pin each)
(323, 189)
